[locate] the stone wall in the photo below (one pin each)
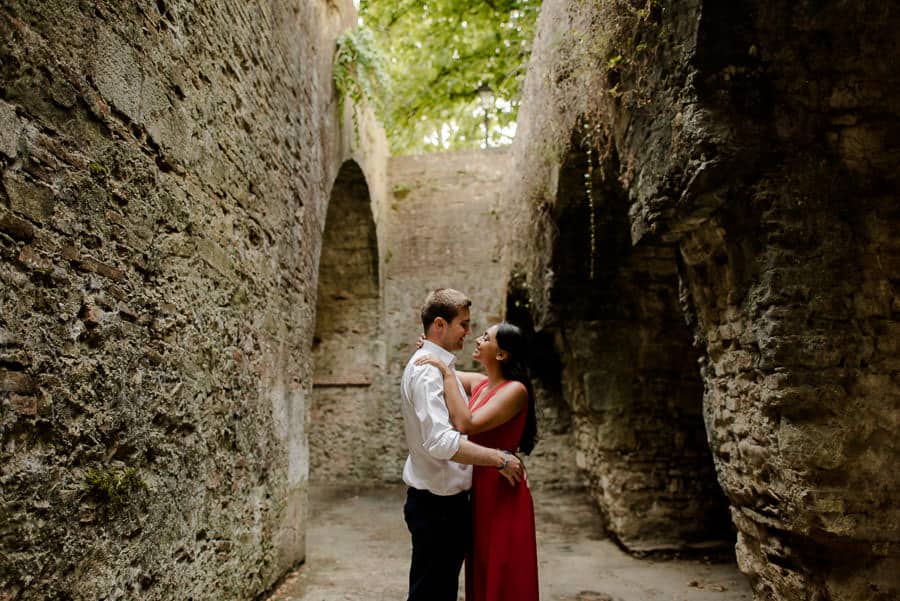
(166, 169)
(440, 232)
(629, 373)
(749, 150)
(348, 346)
(698, 217)
(437, 225)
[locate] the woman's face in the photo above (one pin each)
(486, 345)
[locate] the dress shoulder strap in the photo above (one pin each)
(475, 392)
(487, 396)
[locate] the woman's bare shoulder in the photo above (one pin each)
(514, 390)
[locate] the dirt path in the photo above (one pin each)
(359, 551)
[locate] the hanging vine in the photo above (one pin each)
(360, 72)
(589, 195)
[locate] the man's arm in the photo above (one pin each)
(441, 441)
(509, 465)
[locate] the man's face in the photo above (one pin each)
(456, 332)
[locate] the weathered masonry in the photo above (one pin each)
(166, 174)
(435, 227)
(711, 198)
(210, 279)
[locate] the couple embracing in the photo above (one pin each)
(468, 497)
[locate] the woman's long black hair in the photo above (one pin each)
(511, 340)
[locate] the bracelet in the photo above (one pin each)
(505, 461)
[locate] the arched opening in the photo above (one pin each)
(629, 371)
(348, 329)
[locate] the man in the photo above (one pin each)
(439, 467)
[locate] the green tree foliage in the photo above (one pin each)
(439, 52)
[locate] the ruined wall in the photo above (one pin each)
(758, 142)
(441, 232)
(348, 344)
(795, 293)
(629, 373)
(166, 168)
(435, 224)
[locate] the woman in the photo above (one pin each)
(500, 414)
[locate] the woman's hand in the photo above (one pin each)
(420, 341)
(432, 360)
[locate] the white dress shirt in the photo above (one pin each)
(431, 439)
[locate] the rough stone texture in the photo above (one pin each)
(700, 211)
(436, 226)
(629, 374)
(348, 346)
(166, 169)
(753, 148)
(442, 232)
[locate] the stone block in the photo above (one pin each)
(24, 405)
(117, 73)
(608, 392)
(10, 129)
(215, 256)
(16, 228)
(91, 265)
(9, 339)
(35, 200)
(32, 259)
(616, 436)
(15, 381)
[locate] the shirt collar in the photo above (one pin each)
(441, 353)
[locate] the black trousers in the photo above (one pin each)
(441, 529)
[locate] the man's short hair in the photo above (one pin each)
(443, 302)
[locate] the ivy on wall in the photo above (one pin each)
(359, 72)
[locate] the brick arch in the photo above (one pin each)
(348, 329)
(629, 374)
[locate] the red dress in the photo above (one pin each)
(503, 563)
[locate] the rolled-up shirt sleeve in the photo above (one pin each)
(439, 438)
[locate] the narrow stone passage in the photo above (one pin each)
(359, 550)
